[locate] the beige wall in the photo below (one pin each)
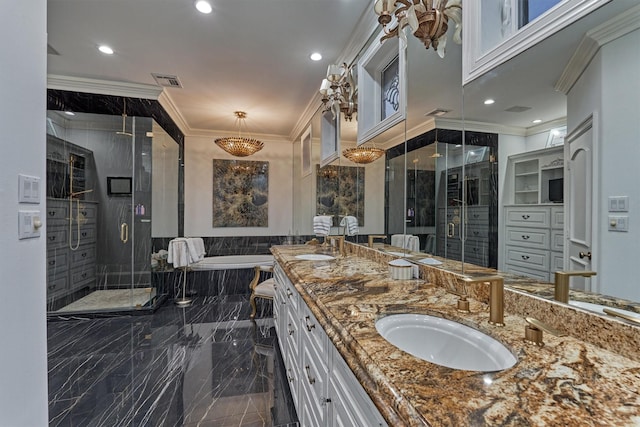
(198, 182)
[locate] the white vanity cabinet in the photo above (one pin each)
(324, 390)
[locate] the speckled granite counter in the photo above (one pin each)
(566, 382)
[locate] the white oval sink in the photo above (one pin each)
(445, 342)
(315, 257)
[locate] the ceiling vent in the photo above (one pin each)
(52, 51)
(438, 112)
(517, 109)
(166, 80)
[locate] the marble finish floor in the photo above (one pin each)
(203, 365)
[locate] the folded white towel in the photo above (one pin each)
(195, 246)
(350, 224)
(185, 251)
(322, 225)
(406, 241)
(413, 244)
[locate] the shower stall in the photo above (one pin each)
(102, 200)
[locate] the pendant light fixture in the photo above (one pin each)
(239, 146)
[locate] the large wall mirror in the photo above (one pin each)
(583, 77)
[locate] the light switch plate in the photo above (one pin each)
(28, 189)
(619, 204)
(29, 224)
(618, 223)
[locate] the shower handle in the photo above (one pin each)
(124, 232)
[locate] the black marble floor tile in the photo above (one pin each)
(203, 365)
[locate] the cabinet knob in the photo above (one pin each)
(289, 293)
(52, 238)
(525, 237)
(291, 331)
(52, 213)
(526, 216)
(525, 257)
(53, 262)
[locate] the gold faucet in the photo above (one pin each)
(376, 236)
(533, 331)
(340, 240)
(496, 297)
(561, 292)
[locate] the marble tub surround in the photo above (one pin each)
(566, 382)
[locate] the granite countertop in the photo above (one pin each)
(567, 382)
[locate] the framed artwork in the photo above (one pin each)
(305, 152)
(240, 193)
(340, 191)
(329, 137)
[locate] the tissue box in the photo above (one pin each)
(400, 269)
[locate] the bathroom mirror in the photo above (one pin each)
(585, 72)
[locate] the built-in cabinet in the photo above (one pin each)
(534, 216)
(71, 225)
(71, 250)
(324, 390)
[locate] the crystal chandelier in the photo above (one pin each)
(239, 146)
(363, 155)
(428, 20)
(339, 91)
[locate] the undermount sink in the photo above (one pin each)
(597, 308)
(315, 257)
(445, 342)
(401, 254)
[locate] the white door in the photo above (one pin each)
(579, 209)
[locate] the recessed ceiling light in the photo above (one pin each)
(203, 6)
(70, 113)
(105, 49)
(488, 101)
(315, 56)
(536, 121)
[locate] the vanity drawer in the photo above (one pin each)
(82, 276)
(477, 215)
(530, 258)
(83, 255)
(57, 212)
(87, 234)
(527, 237)
(292, 331)
(476, 231)
(557, 240)
(313, 331)
(56, 285)
(87, 213)
(57, 260)
(528, 217)
(57, 236)
(557, 217)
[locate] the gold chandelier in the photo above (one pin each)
(239, 146)
(339, 91)
(363, 155)
(428, 20)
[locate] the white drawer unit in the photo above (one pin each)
(527, 217)
(527, 237)
(324, 390)
(534, 240)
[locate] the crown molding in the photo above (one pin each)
(591, 43)
(169, 106)
(366, 27)
(103, 87)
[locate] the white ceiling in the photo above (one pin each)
(253, 55)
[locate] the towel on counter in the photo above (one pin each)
(184, 251)
(322, 225)
(406, 241)
(350, 224)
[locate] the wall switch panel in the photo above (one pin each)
(619, 204)
(618, 223)
(28, 189)
(29, 224)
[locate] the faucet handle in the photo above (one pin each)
(533, 331)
